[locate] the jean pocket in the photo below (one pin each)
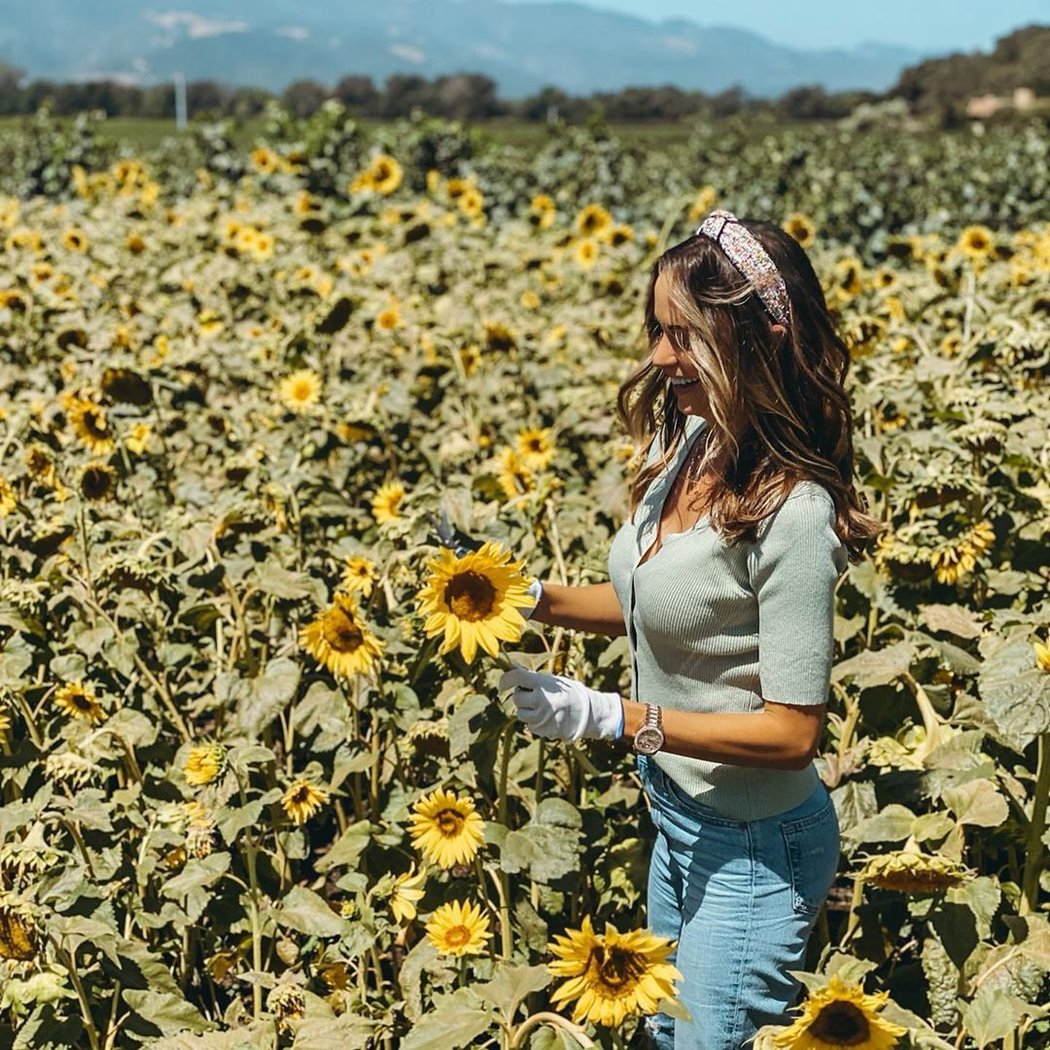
(813, 845)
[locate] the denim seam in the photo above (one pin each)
(734, 1040)
(800, 823)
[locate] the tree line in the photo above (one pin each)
(1021, 58)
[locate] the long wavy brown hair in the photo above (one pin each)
(779, 412)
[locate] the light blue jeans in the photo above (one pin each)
(740, 897)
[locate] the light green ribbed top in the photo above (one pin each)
(718, 627)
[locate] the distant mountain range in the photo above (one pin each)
(269, 43)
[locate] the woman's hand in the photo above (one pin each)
(560, 708)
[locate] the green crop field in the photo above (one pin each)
(258, 791)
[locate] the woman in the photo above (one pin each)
(743, 518)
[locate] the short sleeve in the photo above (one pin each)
(794, 566)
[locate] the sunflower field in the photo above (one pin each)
(259, 789)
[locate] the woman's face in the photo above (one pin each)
(671, 357)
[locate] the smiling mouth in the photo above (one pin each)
(680, 384)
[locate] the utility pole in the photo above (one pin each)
(180, 102)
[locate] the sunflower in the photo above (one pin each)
(407, 890)
(978, 242)
(302, 800)
(75, 240)
(340, 639)
(300, 390)
(204, 763)
(471, 202)
(458, 929)
(80, 701)
(1042, 654)
(952, 561)
(386, 503)
(8, 500)
(908, 871)
(849, 276)
(535, 447)
(386, 174)
(705, 200)
(618, 235)
(88, 420)
(389, 318)
(542, 211)
(287, 1003)
(801, 227)
(19, 936)
(359, 574)
(135, 243)
(499, 337)
(264, 160)
(586, 252)
(474, 599)
(612, 975)
(841, 1015)
(446, 829)
(383, 176)
(97, 481)
(529, 299)
(137, 439)
(515, 477)
(593, 220)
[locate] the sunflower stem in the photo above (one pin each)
(1034, 851)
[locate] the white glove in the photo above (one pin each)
(536, 590)
(560, 708)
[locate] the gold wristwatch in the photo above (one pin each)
(650, 736)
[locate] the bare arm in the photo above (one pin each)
(593, 608)
(780, 736)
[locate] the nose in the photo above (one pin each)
(663, 354)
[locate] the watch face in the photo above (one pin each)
(648, 740)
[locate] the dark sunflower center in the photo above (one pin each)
(535, 445)
(94, 424)
(449, 822)
(841, 1024)
(81, 702)
(301, 796)
(95, 482)
(457, 936)
(617, 970)
(470, 596)
(341, 633)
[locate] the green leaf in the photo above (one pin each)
(1015, 691)
(511, 985)
(982, 896)
(552, 1038)
(893, 824)
(348, 847)
(345, 1032)
(258, 1036)
(455, 1021)
(190, 887)
(273, 578)
(993, 1015)
(977, 802)
(461, 732)
(306, 912)
(876, 666)
(423, 958)
(952, 618)
(169, 1013)
(270, 694)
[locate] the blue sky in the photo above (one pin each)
(932, 26)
